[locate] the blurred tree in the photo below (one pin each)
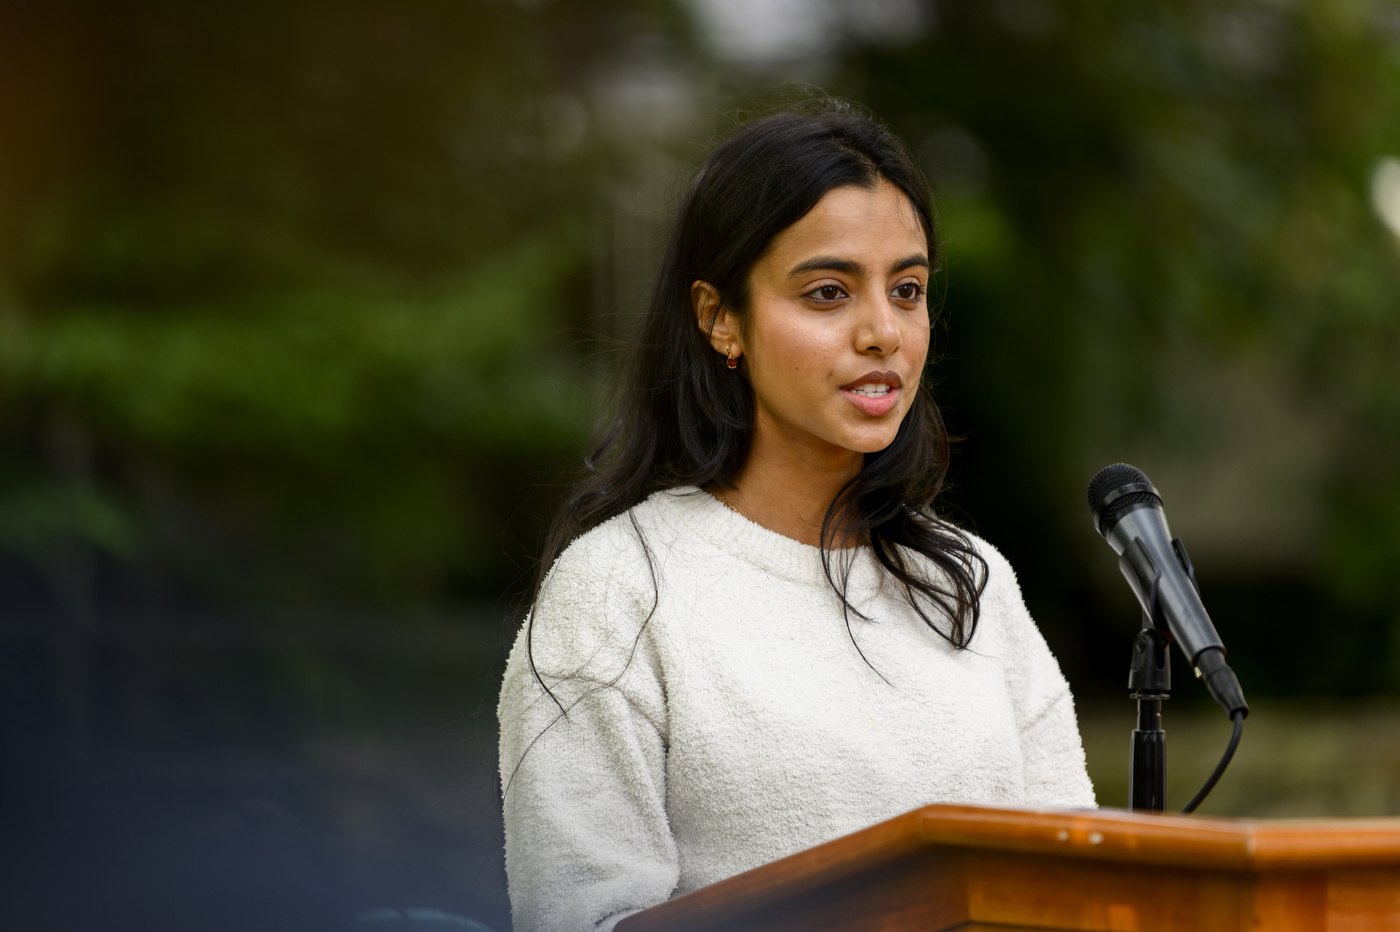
(307, 277)
(290, 294)
(1163, 249)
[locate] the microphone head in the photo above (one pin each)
(1115, 489)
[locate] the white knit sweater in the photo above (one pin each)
(740, 724)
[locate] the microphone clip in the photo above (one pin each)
(1150, 673)
(1150, 683)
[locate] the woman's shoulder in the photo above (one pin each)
(620, 552)
(615, 568)
(1001, 605)
(608, 558)
(1003, 616)
(987, 564)
(999, 570)
(601, 594)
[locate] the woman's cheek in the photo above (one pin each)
(803, 355)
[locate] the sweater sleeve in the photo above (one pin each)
(584, 789)
(1051, 749)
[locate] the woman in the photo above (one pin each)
(755, 635)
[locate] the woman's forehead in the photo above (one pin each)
(853, 223)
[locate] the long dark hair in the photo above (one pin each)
(683, 419)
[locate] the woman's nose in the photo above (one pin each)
(878, 329)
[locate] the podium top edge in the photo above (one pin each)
(1169, 840)
(1126, 836)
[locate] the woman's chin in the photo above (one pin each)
(870, 441)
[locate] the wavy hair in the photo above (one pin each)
(683, 419)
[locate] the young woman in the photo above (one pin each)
(755, 635)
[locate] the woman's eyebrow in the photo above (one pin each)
(827, 264)
(849, 267)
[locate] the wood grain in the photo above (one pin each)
(955, 867)
(1050, 892)
(1291, 901)
(752, 892)
(1363, 900)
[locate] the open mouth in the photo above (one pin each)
(875, 393)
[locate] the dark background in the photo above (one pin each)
(306, 310)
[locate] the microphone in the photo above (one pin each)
(1127, 511)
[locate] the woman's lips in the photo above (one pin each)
(874, 393)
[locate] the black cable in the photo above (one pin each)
(1220, 767)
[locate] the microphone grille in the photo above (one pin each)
(1114, 477)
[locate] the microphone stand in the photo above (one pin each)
(1150, 682)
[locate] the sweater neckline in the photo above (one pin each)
(774, 553)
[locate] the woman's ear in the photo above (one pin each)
(715, 320)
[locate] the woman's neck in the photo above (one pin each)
(788, 482)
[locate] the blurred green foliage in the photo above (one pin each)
(1147, 206)
(296, 299)
(306, 279)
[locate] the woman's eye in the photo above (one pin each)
(909, 291)
(827, 293)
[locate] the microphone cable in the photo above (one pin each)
(1200, 797)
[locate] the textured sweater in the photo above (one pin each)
(721, 717)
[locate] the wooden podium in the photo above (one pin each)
(977, 870)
